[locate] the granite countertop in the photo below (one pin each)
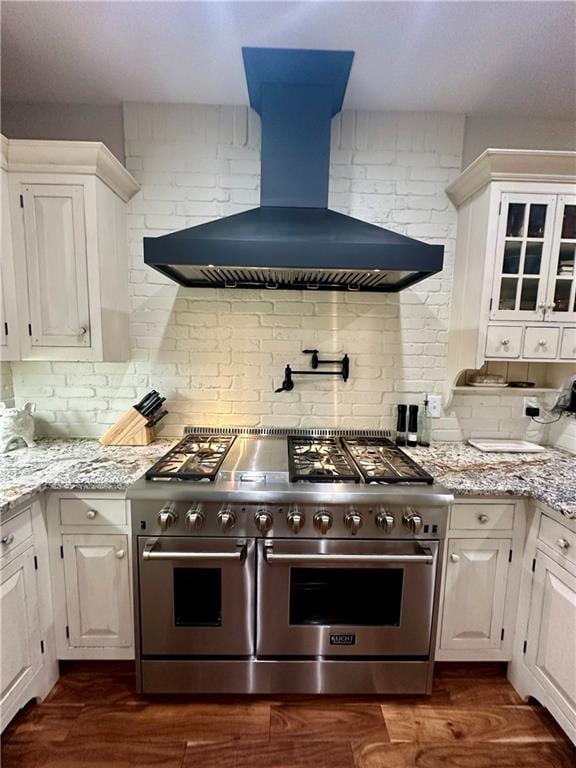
(85, 465)
(80, 465)
(548, 477)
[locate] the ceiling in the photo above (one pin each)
(515, 58)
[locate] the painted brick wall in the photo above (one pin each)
(218, 354)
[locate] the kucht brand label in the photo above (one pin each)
(342, 639)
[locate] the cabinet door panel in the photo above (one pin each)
(474, 593)
(551, 642)
(9, 345)
(97, 578)
(20, 657)
(523, 248)
(562, 286)
(56, 259)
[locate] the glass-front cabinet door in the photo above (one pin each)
(561, 300)
(523, 251)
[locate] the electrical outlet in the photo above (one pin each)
(435, 406)
(530, 407)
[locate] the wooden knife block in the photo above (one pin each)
(130, 429)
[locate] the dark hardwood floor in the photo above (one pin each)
(94, 719)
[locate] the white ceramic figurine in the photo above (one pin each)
(16, 425)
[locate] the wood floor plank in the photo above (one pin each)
(327, 720)
(277, 753)
(43, 723)
(472, 692)
(429, 723)
(464, 755)
(174, 722)
(100, 753)
(89, 688)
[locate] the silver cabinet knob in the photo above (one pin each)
(353, 521)
(483, 518)
(120, 554)
(167, 516)
(7, 540)
(542, 342)
(454, 557)
(323, 521)
(91, 514)
(385, 521)
(295, 520)
(263, 520)
(412, 521)
(563, 543)
(195, 518)
(226, 518)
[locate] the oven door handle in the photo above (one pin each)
(150, 553)
(297, 559)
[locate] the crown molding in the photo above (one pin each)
(513, 165)
(70, 157)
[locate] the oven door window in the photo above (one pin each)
(370, 597)
(197, 597)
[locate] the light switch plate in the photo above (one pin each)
(435, 406)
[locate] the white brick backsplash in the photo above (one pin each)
(218, 354)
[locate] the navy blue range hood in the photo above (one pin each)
(293, 240)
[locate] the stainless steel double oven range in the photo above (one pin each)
(286, 561)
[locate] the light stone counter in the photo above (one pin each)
(85, 465)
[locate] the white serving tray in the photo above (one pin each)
(506, 446)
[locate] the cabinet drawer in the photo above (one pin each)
(541, 342)
(15, 532)
(482, 517)
(92, 512)
(568, 344)
(503, 341)
(560, 539)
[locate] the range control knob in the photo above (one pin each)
(353, 521)
(167, 516)
(195, 518)
(226, 518)
(263, 520)
(295, 519)
(412, 521)
(323, 521)
(385, 521)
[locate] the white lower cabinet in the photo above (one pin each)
(91, 573)
(21, 656)
(28, 667)
(98, 601)
(475, 594)
(551, 640)
(480, 583)
(544, 661)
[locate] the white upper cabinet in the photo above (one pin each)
(57, 266)
(70, 252)
(514, 289)
(9, 337)
(523, 249)
(561, 298)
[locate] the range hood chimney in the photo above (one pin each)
(293, 240)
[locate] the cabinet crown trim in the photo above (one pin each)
(536, 165)
(76, 157)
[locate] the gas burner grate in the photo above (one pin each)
(380, 461)
(319, 460)
(196, 457)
